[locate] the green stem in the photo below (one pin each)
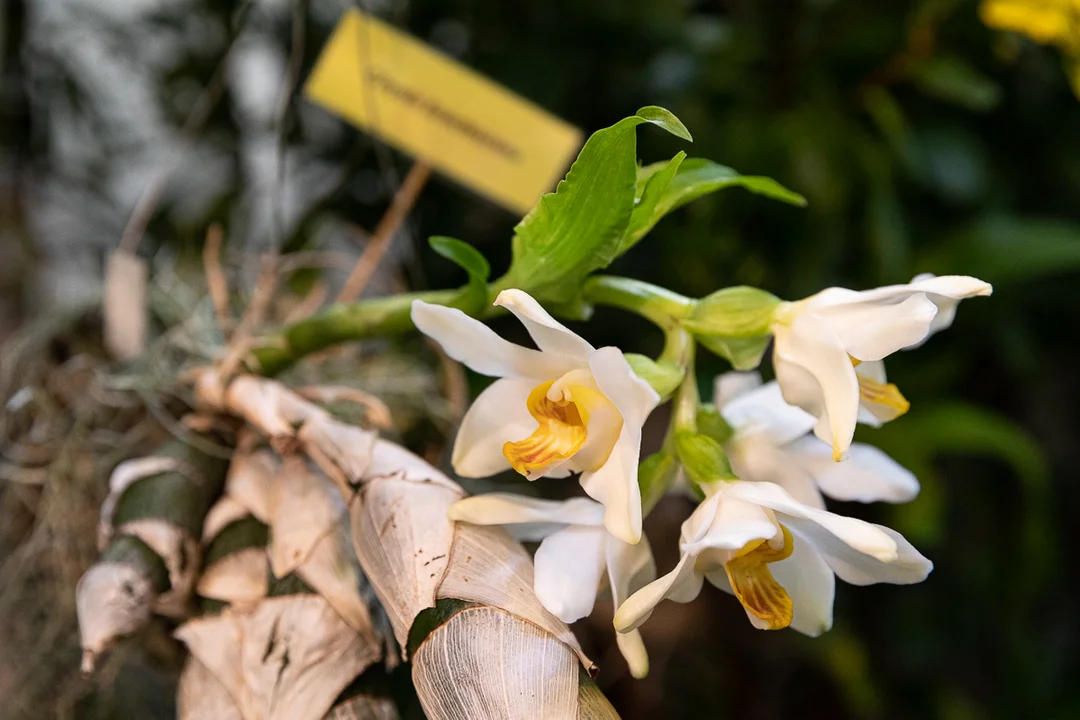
(378, 317)
(386, 316)
(687, 399)
(658, 305)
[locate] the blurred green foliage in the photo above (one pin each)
(922, 141)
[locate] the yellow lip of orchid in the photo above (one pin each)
(754, 584)
(564, 407)
(563, 429)
(886, 398)
(735, 527)
(561, 433)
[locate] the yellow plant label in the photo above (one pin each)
(441, 112)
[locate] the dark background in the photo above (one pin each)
(923, 140)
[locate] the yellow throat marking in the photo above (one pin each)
(562, 430)
(884, 395)
(754, 585)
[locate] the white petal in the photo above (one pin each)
(472, 342)
(694, 527)
(680, 585)
(629, 567)
(868, 475)
(757, 459)
(873, 369)
(569, 564)
(735, 524)
(952, 286)
(508, 508)
(955, 287)
(549, 334)
(615, 484)
(730, 385)
(858, 552)
(810, 584)
(856, 568)
(872, 332)
(814, 523)
(633, 650)
(944, 292)
(764, 410)
(634, 397)
(816, 374)
(947, 292)
(500, 414)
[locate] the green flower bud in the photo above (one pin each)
(738, 312)
(710, 422)
(734, 323)
(664, 377)
(703, 458)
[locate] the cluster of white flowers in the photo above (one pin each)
(766, 537)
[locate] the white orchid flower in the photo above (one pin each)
(772, 443)
(822, 344)
(564, 408)
(777, 556)
(575, 550)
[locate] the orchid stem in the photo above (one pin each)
(687, 398)
(656, 304)
(388, 316)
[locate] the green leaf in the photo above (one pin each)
(954, 81)
(474, 295)
(651, 192)
(665, 119)
(694, 178)
(463, 254)
(579, 228)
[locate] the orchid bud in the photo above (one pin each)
(736, 312)
(662, 376)
(734, 323)
(703, 458)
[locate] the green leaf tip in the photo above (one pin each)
(462, 254)
(665, 119)
(474, 296)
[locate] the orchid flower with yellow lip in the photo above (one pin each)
(771, 441)
(575, 553)
(778, 556)
(828, 348)
(564, 408)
